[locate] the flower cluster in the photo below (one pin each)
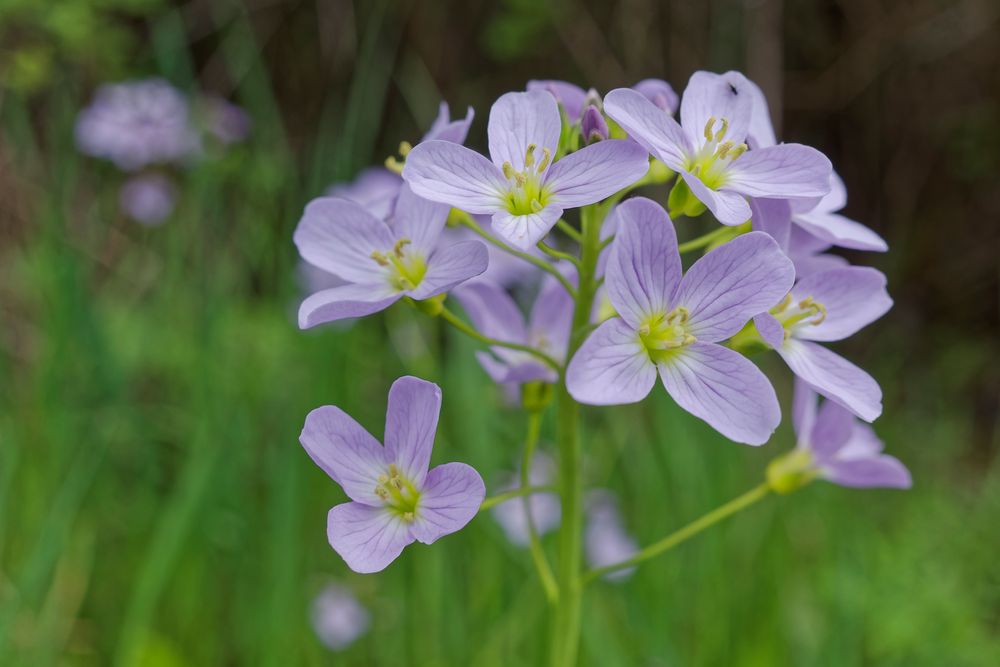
(615, 304)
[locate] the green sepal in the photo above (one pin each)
(790, 472)
(535, 396)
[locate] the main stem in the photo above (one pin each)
(566, 621)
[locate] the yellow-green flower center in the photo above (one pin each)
(711, 162)
(525, 192)
(398, 493)
(405, 268)
(794, 315)
(664, 335)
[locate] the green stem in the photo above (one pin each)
(535, 545)
(684, 534)
(707, 239)
(558, 254)
(569, 230)
(453, 319)
(499, 498)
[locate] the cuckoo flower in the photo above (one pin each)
(606, 541)
(575, 100)
(148, 199)
(672, 325)
(825, 307)
(382, 264)
(774, 216)
(338, 618)
(523, 188)
(707, 148)
(395, 499)
(446, 129)
(544, 507)
(495, 314)
(834, 446)
(375, 189)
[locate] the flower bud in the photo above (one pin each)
(593, 127)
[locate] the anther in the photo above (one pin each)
(722, 130)
(393, 165)
(738, 151)
(398, 248)
(520, 179)
(708, 127)
(379, 258)
(723, 149)
(546, 158)
(529, 156)
(408, 517)
(536, 205)
(404, 148)
(508, 170)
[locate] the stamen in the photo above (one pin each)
(408, 517)
(508, 170)
(724, 148)
(379, 258)
(529, 156)
(404, 148)
(708, 128)
(536, 205)
(722, 130)
(398, 248)
(393, 165)
(738, 151)
(520, 179)
(546, 159)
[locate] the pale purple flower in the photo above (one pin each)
(495, 314)
(396, 500)
(522, 188)
(593, 127)
(137, 123)
(660, 93)
(774, 216)
(504, 269)
(707, 148)
(148, 199)
(375, 189)
(671, 325)
(544, 507)
(840, 449)
(338, 618)
(605, 539)
(825, 307)
(573, 99)
(381, 263)
(224, 120)
(446, 129)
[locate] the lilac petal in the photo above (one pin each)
(419, 220)
(492, 311)
(732, 283)
(595, 172)
(513, 518)
(660, 93)
(646, 123)
(725, 390)
(573, 98)
(882, 471)
(339, 236)
(644, 266)
(496, 369)
(338, 619)
(834, 377)
(786, 170)
(445, 129)
(729, 208)
(862, 444)
(841, 231)
(806, 265)
(804, 404)
(452, 266)
(716, 96)
(833, 427)
(374, 188)
(345, 451)
(770, 329)
(345, 302)
(836, 198)
(451, 496)
(518, 120)
(455, 175)
(773, 217)
(552, 317)
(410, 424)
(761, 132)
(367, 538)
(525, 231)
(611, 367)
(853, 296)
(605, 539)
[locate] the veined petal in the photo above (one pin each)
(732, 283)
(570, 96)
(493, 312)
(445, 129)
(595, 172)
(518, 120)
(709, 95)
(367, 538)
(841, 231)
(660, 93)
(834, 377)
(611, 367)
(770, 329)
(831, 431)
(455, 175)
(773, 217)
(785, 170)
(552, 316)
(410, 424)
(374, 188)
(339, 236)
(853, 296)
(451, 496)
(647, 124)
(525, 231)
(345, 302)
(419, 220)
(644, 266)
(451, 266)
(729, 208)
(804, 404)
(725, 390)
(345, 451)
(882, 471)
(761, 131)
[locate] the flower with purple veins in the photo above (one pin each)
(707, 148)
(834, 446)
(774, 217)
(544, 507)
(671, 325)
(381, 263)
(524, 187)
(826, 307)
(605, 539)
(395, 499)
(148, 199)
(338, 618)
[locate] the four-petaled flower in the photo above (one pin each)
(524, 188)
(396, 500)
(672, 324)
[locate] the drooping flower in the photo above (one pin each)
(605, 539)
(544, 507)
(148, 199)
(395, 499)
(446, 129)
(137, 123)
(672, 325)
(833, 445)
(496, 315)
(707, 148)
(381, 263)
(826, 307)
(338, 619)
(523, 188)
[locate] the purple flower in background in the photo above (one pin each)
(375, 189)
(495, 314)
(593, 127)
(524, 190)
(544, 507)
(338, 618)
(504, 269)
(445, 129)
(137, 123)
(672, 325)
(605, 540)
(774, 217)
(395, 498)
(224, 120)
(660, 93)
(381, 263)
(148, 199)
(825, 307)
(707, 147)
(573, 99)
